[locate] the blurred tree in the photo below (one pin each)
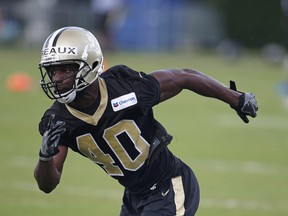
(253, 23)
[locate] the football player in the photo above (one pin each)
(108, 118)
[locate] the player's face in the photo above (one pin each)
(63, 76)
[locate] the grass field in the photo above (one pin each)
(242, 168)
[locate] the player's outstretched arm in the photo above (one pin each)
(173, 81)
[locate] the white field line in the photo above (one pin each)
(117, 195)
(251, 167)
(62, 189)
(66, 190)
(69, 190)
(22, 161)
(215, 165)
(260, 122)
(236, 204)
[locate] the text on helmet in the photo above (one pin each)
(63, 50)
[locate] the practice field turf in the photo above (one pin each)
(242, 168)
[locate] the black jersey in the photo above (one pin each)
(122, 135)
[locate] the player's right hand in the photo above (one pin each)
(51, 138)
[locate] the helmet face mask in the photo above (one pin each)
(58, 89)
(67, 46)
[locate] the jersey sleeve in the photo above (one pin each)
(145, 86)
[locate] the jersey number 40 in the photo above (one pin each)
(89, 147)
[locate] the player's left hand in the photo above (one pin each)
(51, 138)
(247, 104)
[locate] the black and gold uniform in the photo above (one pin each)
(119, 133)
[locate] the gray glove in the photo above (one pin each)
(247, 105)
(51, 138)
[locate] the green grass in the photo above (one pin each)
(242, 168)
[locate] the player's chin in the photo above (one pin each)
(63, 88)
(61, 91)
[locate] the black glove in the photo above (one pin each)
(247, 105)
(50, 139)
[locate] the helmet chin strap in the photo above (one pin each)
(68, 98)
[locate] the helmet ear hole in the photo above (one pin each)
(95, 64)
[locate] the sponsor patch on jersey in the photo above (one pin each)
(124, 101)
